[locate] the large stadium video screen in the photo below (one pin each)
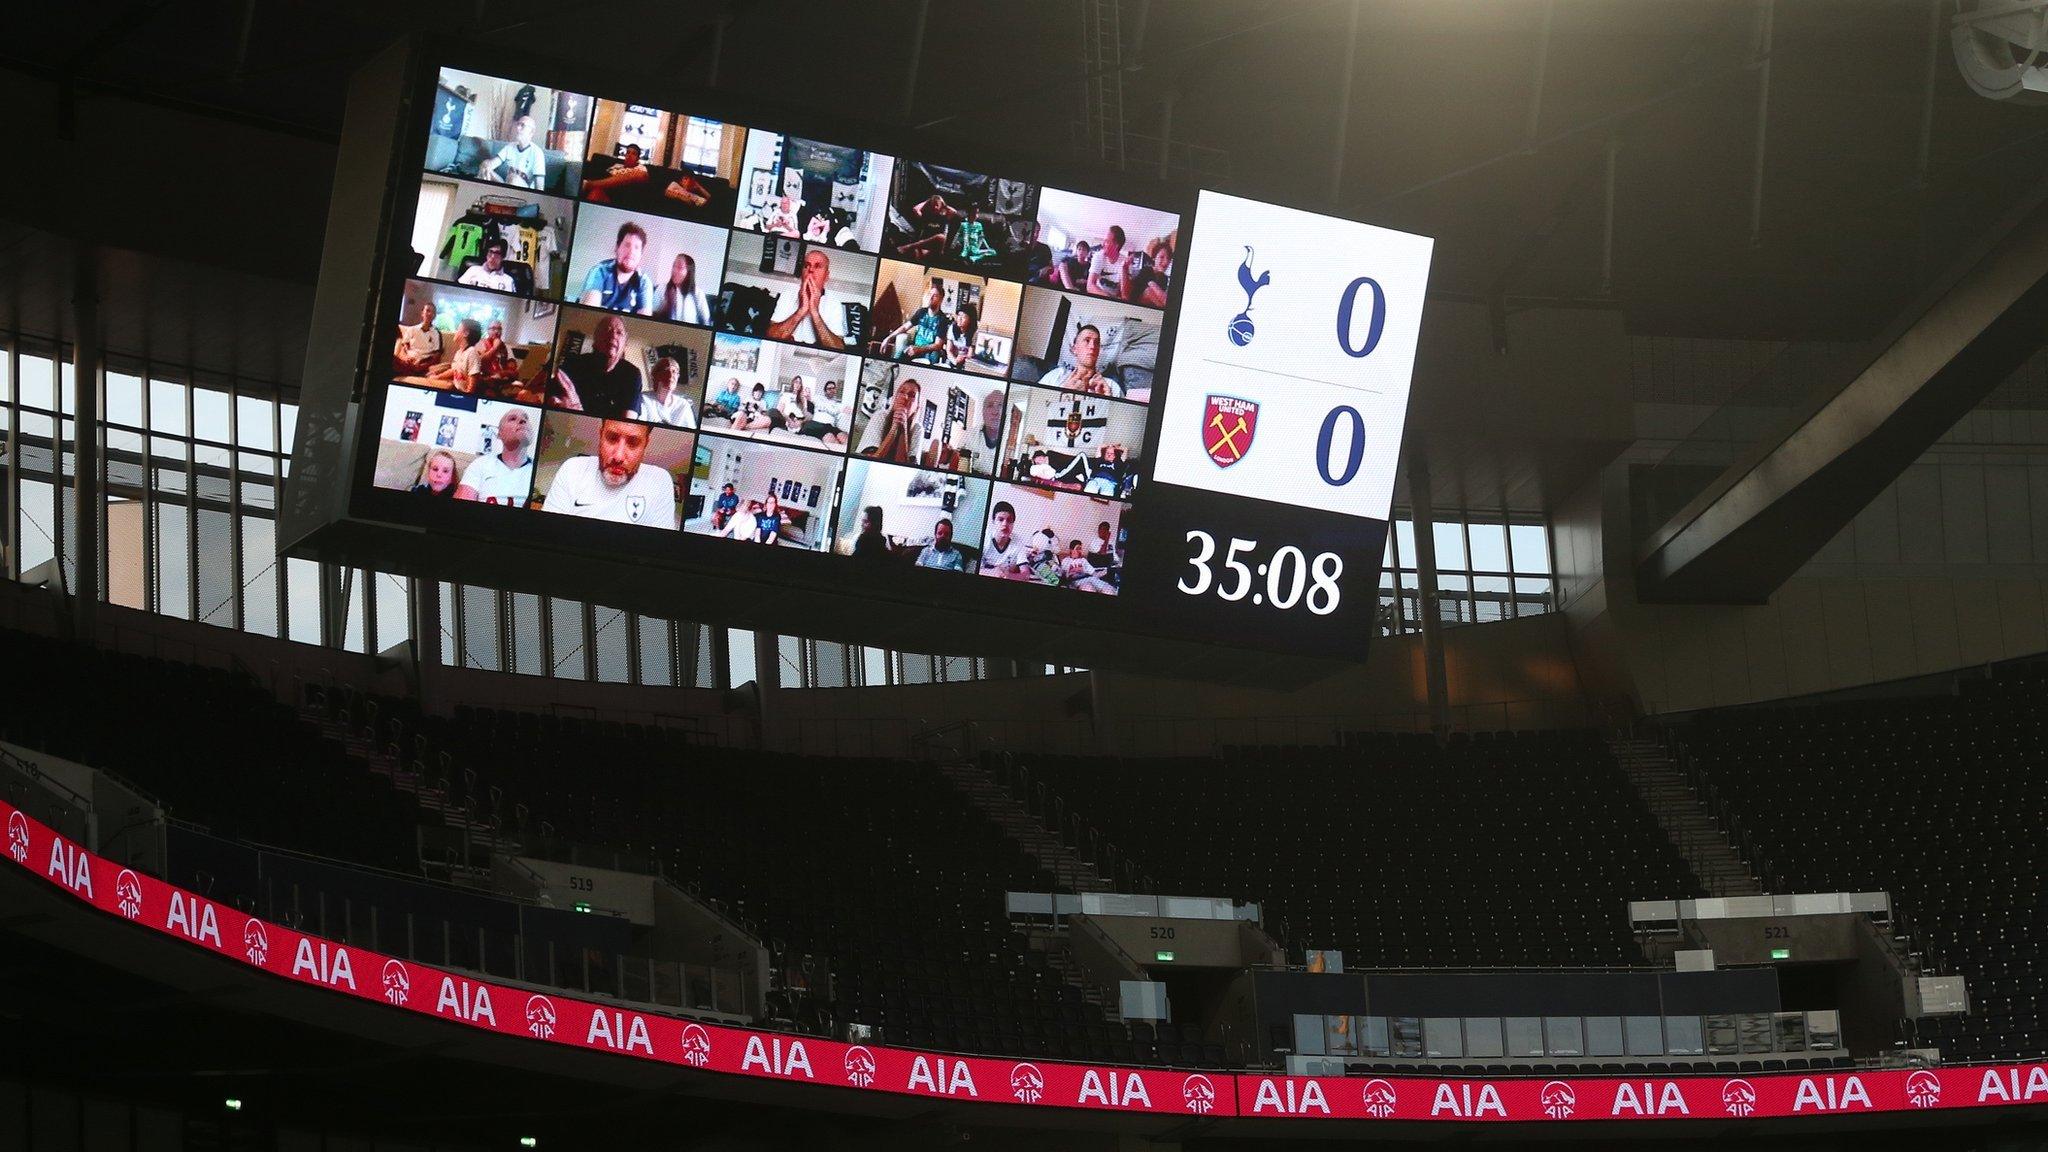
(641, 333)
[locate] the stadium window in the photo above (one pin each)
(124, 400)
(1483, 1039)
(210, 416)
(1443, 1038)
(38, 381)
(1564, 1035)
(1524, 1036)
(1489, 567)
(740, 656)
(1683, 1036)
(1407, 1035)
(1372, 1036)
(1644, 1035)
(255, 423)
(1603, 1035)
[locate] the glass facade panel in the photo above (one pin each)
(1644, 1035)
(1488, 568)
(1683, 1036)
(38, 382)
(1489, 544)
(1564, 1036)
(1483, 1038)
(1603, 1035)
(1406, 1032)
(1443, 1038)
(1373, 1037)
(1450, 544)
(1524, 1035)
(1531, 547)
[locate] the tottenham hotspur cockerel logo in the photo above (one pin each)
(1241, 329)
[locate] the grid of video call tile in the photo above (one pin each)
(853, 388)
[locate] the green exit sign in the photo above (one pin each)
(1781, 953)
(1163, 957)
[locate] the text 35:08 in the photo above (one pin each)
(1291, 578)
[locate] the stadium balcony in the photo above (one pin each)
(1492, 850)
(872, 868)
(1939, 800)
(876, 883)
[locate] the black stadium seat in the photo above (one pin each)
(1512, 849)
(1940, 801)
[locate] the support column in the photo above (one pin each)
(767, 685)
(1424, 515)
(425, 596)
(88, 508)
(767, 660)
(721, 656)
(334, 592)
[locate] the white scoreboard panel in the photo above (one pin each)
(1292, 357)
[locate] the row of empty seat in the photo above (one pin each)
(1940, 801)
(1508, 850)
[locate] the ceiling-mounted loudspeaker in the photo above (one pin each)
(2001, 48)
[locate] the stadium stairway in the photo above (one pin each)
(1005, 811)
(353, 722)
(1694, 833)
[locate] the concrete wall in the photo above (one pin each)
(1947, 568)
(607, 892)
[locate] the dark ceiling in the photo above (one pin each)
(1444, 133)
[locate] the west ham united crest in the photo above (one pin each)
(1228, 424)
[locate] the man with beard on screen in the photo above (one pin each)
(613, 483)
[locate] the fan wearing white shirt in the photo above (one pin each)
(491, 273)
(662, 402)
(1005, 551)
(805, 323)
(613, 484)
(506, 476)
(827, 411)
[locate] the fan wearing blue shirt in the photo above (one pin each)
(617, 283)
